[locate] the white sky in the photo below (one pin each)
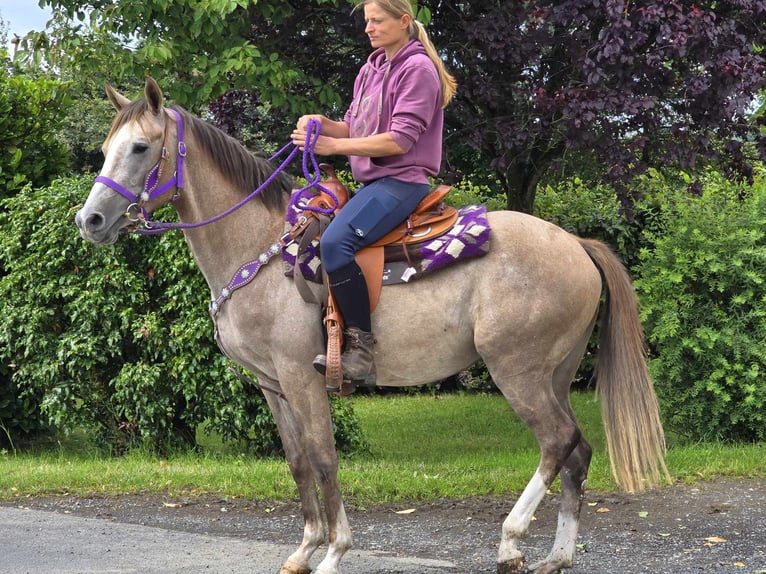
(23, 16)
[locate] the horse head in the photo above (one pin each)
(132, 181)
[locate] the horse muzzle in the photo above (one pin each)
(94, 227)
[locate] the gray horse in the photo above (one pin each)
(527, 309)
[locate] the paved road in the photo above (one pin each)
(716, 527)
(37, 542)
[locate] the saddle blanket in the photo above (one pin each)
(468, 238)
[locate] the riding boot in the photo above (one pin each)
(349, 289)
(358, 360)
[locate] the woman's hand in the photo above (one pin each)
(303, 121)
(323, 145)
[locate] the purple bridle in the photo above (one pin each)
(152, 188)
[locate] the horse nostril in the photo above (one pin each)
(94, 221)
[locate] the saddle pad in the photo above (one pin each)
(468, 238)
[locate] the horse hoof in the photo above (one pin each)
(515, 566)
(293, 568)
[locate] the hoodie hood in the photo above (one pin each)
(377, 60)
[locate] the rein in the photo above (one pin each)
(137, 213)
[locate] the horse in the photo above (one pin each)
(527, 309)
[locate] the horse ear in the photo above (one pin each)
(118, 100)
(153, 94)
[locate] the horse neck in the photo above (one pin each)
(220, 248)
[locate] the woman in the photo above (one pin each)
(392, 133)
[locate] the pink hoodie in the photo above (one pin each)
(402, 97)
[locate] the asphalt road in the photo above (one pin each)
(34, 541)
(714, 527)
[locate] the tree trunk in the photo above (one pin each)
(520, 187)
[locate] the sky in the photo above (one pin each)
(23, 16)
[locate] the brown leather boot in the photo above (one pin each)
(358, 360)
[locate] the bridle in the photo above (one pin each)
(140, 217)
(136, 211)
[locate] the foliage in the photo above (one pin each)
(466, 193)
(3, 33)
(83, 126)
(631, 84)
(609, 84)
(207, 48)
(20, 417)
(584, 209)
(30, 111)
(117, 340)
(703, 301)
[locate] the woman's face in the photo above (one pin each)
(385, 31)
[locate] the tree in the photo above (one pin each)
(3, 32)
(620, 85)
(205, 48)
(637, 84)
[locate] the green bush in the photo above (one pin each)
(703, 303)
(30, 112)
(117, 340)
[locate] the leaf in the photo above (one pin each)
(603, 509)
(643, 514)
(716, 539)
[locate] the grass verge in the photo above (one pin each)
(423, 447)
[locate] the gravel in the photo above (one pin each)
(714, 526)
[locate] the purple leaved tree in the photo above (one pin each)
(631, 84)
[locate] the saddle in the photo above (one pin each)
(432, 218)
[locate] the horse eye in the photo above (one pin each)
(140, 148)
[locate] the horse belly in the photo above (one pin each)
(424, 330)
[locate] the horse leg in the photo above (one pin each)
(557, 435)
(573, 474)
(303, 475)
(311, 407)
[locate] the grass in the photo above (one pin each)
(423, 447)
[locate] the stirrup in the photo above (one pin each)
(320, 365)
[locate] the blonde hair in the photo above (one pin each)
(399, 8)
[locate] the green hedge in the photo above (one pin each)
(31, 110)
(117, 340)
(703, 301)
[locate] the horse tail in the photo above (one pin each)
(634, 436)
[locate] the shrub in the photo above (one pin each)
(117, 340)
(30, 111)
(703, 304)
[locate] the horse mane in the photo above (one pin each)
(242, 168)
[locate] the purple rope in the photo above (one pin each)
(314, 127)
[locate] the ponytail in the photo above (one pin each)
(448, 82)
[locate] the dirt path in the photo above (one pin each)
(715, 527)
